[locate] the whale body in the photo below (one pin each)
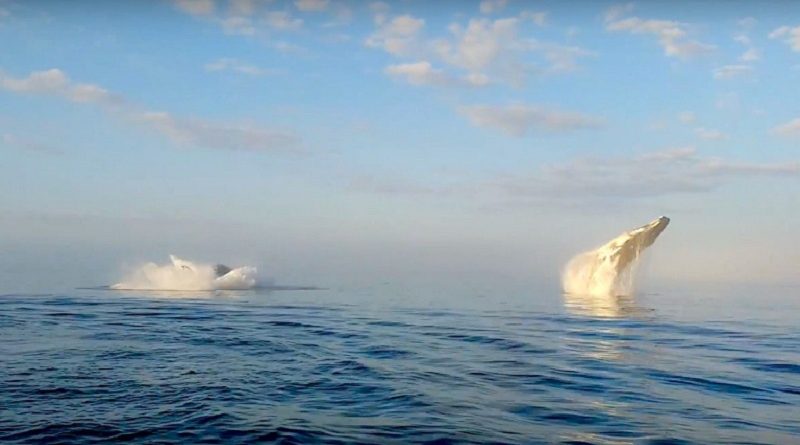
(610, 269)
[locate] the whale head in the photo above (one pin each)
(624, 249)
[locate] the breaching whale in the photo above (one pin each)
(180, 274)
(609, 270)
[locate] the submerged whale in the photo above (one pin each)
(609, 270)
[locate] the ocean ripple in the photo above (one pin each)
(103, 368)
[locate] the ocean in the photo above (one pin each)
(388, 364)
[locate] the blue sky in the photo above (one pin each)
(340, 140)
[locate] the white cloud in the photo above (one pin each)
(687, 117)
(196, 7)
(747, 22)
(672, 36)
(732, 71)
(494, 48)
(538, 18)
(49, 81)
(789, 35)
(791, 128)
(481, 43)
(616, 12)
(520, 120)
(229, 64)
(242, 7)
(397, 36)
(423, 73)
(710, 134)
(196, 132)
(481, 51)
(238, 25)
(418, 73)
(561, 58)
(251, 18)
(56, 83)
(751, 53)
(282, 20)
(312, 5)
(491, 6)
(380, 11)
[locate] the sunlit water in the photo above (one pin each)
(383, 365)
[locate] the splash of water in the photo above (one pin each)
(181, 274)
(610, 270)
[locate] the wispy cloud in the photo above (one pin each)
(791, 128)
(666, 172)
(687, 117)
(710, 134)
(751, 53)
(264, 20)
(397, 36)
(187, 131)
(196, 7)
(744, 66)
(732, 71)
(283, 20)
(418, 73)
(312, 5)
(237, 66)
(520, 120)
(216, 135)
(789, 35)
(673, 36)
(492, 6)
(423, 73)
(25, 144)
(54, 82)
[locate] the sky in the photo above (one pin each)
(334, 141)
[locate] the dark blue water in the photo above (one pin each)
(360, 367)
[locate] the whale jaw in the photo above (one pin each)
(609, 270)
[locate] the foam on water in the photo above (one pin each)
(181, 274)
(610, 270)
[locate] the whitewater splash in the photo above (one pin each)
(611, 269)
(181, 275)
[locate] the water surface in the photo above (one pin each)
(382, 365)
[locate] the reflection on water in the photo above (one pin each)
(602, 343)
(603, 306)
